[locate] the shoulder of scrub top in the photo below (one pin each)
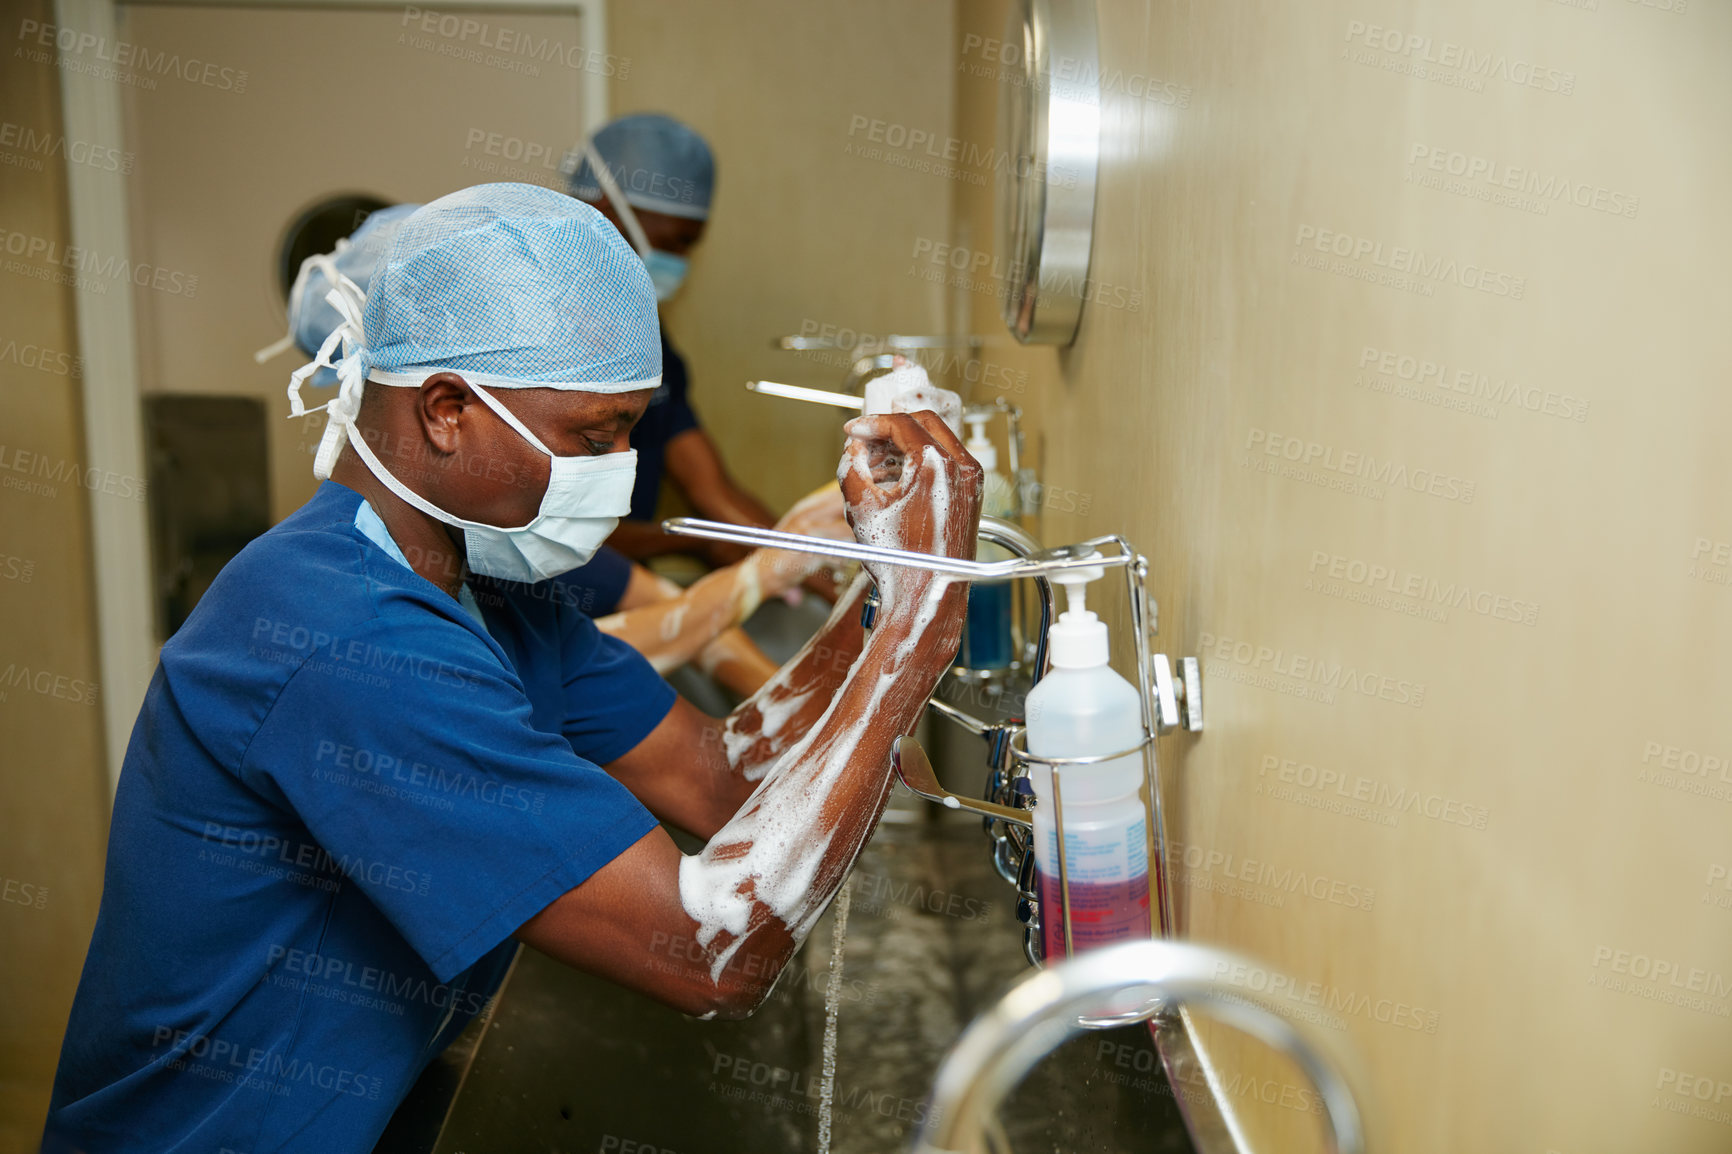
(314, 595)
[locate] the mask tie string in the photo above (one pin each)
(278, 347)
(351, 369)
(633, 230)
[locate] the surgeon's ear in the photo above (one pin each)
(444, 399)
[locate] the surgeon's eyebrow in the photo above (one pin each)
(616, 416)
(620, 412)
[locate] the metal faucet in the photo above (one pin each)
(1148, 979)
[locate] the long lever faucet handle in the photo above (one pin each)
(914, 769)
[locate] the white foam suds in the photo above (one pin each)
(753, 736)
(748, 588)
(774, 714)
(765, 862)
(879, 527)
(908, 389)
(670, 626)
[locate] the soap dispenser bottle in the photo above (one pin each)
(987, 640)
(1081, 708)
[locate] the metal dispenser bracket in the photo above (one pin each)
(1178, 701)
(1008, 756)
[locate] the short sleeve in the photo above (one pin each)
(613, 696)
(406, 749)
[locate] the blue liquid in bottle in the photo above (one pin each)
(986, 643)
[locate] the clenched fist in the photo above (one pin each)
(909, 484)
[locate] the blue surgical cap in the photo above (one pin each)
(508, 285)
(311, 316)
(659, 164)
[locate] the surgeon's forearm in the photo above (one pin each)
(670, 633)
(785, 709)
(708, 934)
(673, 631)
(763, 879)
(736, 663)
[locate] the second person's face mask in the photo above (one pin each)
(666, 272)
(585, 498)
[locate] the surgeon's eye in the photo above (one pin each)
(598, 448)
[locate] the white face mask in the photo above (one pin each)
(585, 498)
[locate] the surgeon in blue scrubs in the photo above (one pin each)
(377, 752)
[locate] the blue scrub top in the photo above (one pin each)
(596, 589)
(342, 796)
(669, 414)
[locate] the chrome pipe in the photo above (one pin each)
(1044, 562)
(1142, 625)
(1145, 978)
(802, 393)
(891, 342)
(963, 718)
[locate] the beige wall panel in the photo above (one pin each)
(330, 102)
(809, 228)
(1552, 848)
(53, 790)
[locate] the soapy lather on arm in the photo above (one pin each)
(801, 773)
(773, 868)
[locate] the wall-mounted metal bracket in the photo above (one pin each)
(1178, 700)
(1191, 692)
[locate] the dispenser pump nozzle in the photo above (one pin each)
(1078, 637)
(979, 446)
(1076, 598)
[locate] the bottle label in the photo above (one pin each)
(1109, 890)
(1101, 913)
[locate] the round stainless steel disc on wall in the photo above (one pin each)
(1050, 130)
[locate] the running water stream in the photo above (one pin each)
(832, 1005)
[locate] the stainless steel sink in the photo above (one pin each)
(572, 1063)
